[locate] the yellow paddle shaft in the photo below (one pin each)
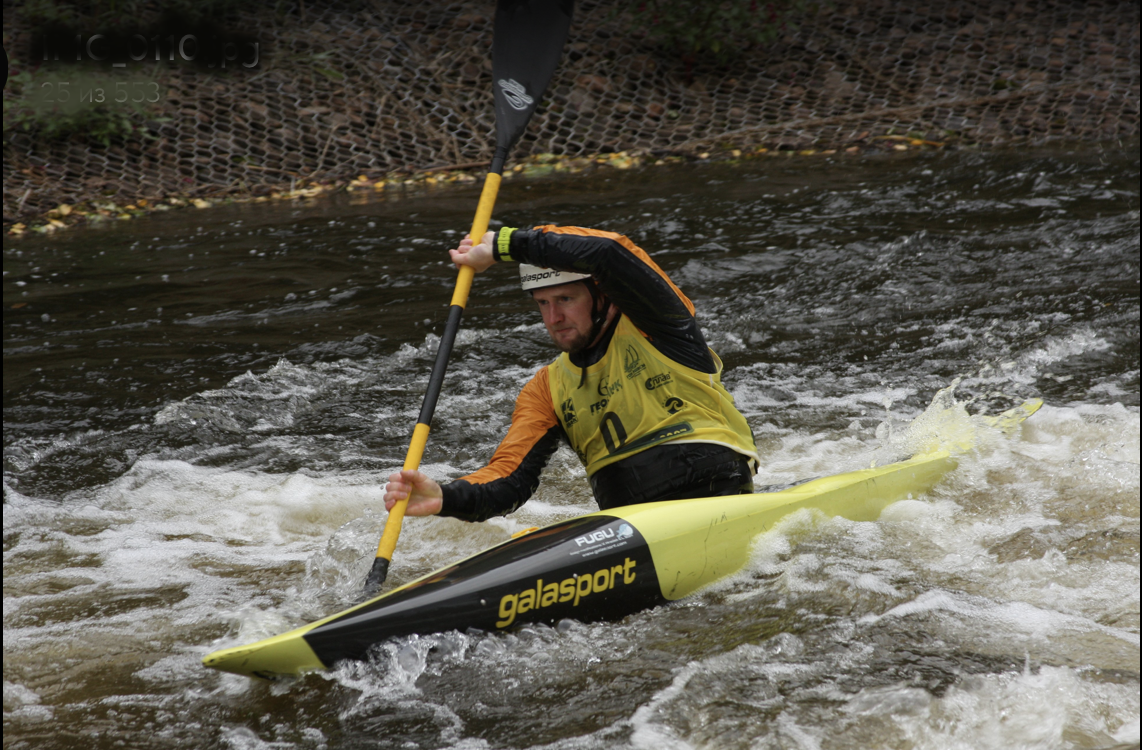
(388, 541)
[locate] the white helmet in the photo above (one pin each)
(534, 277)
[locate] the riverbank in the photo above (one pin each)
(396, 93)
(65, 216)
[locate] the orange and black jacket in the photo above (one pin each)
(641, 291)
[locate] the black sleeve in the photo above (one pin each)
(481, 501)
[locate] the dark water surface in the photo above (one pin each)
(201, 407)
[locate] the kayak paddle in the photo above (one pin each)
(527, 42)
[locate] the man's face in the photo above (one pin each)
(566, 311)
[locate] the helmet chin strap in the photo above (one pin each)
(598, 312)
(598, 320)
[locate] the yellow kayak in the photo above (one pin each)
(600, 566)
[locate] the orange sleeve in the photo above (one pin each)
(512, 475)
(532, 418)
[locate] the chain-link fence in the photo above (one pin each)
(350, 88)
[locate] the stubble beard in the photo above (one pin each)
(574, 346)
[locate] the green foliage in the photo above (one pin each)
(62, 104)
(719, 30)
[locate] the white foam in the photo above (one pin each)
(181, 498)
(159, 549)
(16, 696)
(1053, 707)
(22, 705)
(1015, 619)
(651, 733)
(1032, 364)
(1129, 732)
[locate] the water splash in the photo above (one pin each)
(946, 425)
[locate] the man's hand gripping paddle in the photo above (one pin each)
(527, 43)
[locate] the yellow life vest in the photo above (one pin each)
(635, 398)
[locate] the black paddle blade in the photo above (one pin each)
(527, 44)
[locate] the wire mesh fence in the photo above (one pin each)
(341, 89)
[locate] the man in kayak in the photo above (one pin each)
(636, 392)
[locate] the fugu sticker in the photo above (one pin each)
(606, 539)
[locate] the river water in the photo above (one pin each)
(201, 408)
